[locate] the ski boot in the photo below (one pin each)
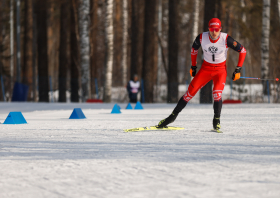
(168, 120)
(216, 123)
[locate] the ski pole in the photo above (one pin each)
(277, 79)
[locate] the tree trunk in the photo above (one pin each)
(134, 39)
(98, 60)
(74, 82)
(42, 41)
(149, 66)
(63, 49)
(265, 43)
(195, 20)
(137, 15)
(279, 10)
(117, 77)
(209, 13)
(159, 52)
(124, 42)
(34, 51)
(27, 52)
(219, 9)
(172, 96)
(1, 42)
(84, 47)
(18, 18)
(53, 43)
(94, 57)
(110, 50)
(194, 32)
(12, 41)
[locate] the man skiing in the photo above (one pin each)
(214, 45)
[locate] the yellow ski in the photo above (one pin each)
(216, 130)
(153, 128)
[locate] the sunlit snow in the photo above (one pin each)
(53, 156)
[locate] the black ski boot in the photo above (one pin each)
(216, 123)
(168, 120)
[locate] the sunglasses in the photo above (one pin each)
(214, 29)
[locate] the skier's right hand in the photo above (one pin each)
(193, 70)
(236, 73)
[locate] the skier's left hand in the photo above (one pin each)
(236, 73)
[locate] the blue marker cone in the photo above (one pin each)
(77, 114)
(15, 118)
(116, 109)
(128, 106)
(138, 106)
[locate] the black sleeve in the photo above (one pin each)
(196, 44)
(234, 44)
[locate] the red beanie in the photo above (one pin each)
(215, 23)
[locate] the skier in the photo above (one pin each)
(214, 46)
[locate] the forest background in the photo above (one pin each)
(87, 47)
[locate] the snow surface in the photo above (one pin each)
(53, 156)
